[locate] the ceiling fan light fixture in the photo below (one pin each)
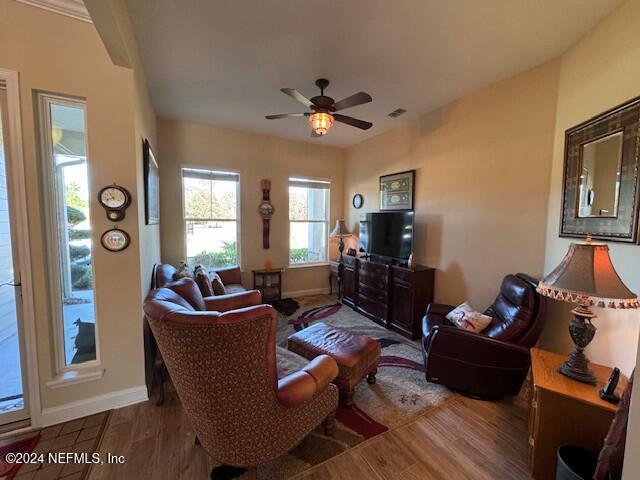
(321, 122)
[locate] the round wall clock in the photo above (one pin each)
(115, 200)
(115, 240)
(357, 200)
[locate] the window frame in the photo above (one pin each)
(52, 226)
(227, 171)
(327, 221)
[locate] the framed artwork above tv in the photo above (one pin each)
(397, 191)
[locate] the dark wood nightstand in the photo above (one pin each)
(564, 411)
(269, 282)
(335, 275)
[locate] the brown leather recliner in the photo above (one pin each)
(494, 362)
(223, 363)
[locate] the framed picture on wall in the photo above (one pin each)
(151, 185)
(397, 190)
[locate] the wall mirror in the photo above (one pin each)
(601, 189)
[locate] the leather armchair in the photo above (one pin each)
(155, 370)
(496, 361)
(223, 365)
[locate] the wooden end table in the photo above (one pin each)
(564, 411)
(269, 282)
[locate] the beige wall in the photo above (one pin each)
(58, 54)
(482, 181)
(255, 157)
(598, 73)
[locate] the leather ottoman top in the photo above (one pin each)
(346, 348)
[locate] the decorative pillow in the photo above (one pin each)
(183, 271)
(465, 317)
(216, 284)
(202, 280)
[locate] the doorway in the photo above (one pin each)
(14, 398)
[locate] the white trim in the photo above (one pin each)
(21, 228)
(91, 406)
(18, 431)
(308, 265)
(73, 377)
(305, 293)
(53, 226)
(70, 8)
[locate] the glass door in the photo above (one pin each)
(13, 406)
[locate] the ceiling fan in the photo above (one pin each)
(323, 109)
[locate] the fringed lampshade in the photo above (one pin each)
(586, 277)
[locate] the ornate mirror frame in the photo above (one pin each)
(624, 226)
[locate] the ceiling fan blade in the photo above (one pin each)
(355, 99)
(286, 115)
(354, 122)
(296, 95)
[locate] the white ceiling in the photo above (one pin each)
(223, 62)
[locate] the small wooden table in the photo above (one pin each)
(564, 411)
(269, 282)
(335, 273)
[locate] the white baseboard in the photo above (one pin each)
(93, 405)
(304, 293)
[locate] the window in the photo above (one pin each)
(211, 206)
(69, 229)
(308, 220)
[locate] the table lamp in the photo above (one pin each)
(340, 231)
(585, 277)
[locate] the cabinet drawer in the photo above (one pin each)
(372, 280)
(372, 307)
(402, 275)
(374, 268)
(377, 294)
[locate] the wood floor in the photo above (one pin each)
(461, 439)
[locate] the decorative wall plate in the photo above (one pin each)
(115, 240)
(357, 201)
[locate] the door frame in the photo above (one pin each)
(20, 228)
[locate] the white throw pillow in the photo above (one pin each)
(465, 317)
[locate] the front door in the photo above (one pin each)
(13, 397)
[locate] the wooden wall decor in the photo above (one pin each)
(265, 209)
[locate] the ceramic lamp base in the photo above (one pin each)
(582, 332)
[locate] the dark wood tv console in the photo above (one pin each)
(393, 296)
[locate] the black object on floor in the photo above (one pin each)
(286, 306)
(575, 463)
(226, 472)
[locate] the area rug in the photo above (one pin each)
(400, 394)
(81, 436)
(9, 468)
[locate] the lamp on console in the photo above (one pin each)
(340, 231)
(586, 277)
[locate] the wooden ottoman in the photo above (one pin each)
(356, 355)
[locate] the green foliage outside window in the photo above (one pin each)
(81, 277)
(298, 255)
(226, 257)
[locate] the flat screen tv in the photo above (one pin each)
(387, 234)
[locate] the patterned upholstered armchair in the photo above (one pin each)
(223, 364)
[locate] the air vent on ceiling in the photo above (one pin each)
(397, 112)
